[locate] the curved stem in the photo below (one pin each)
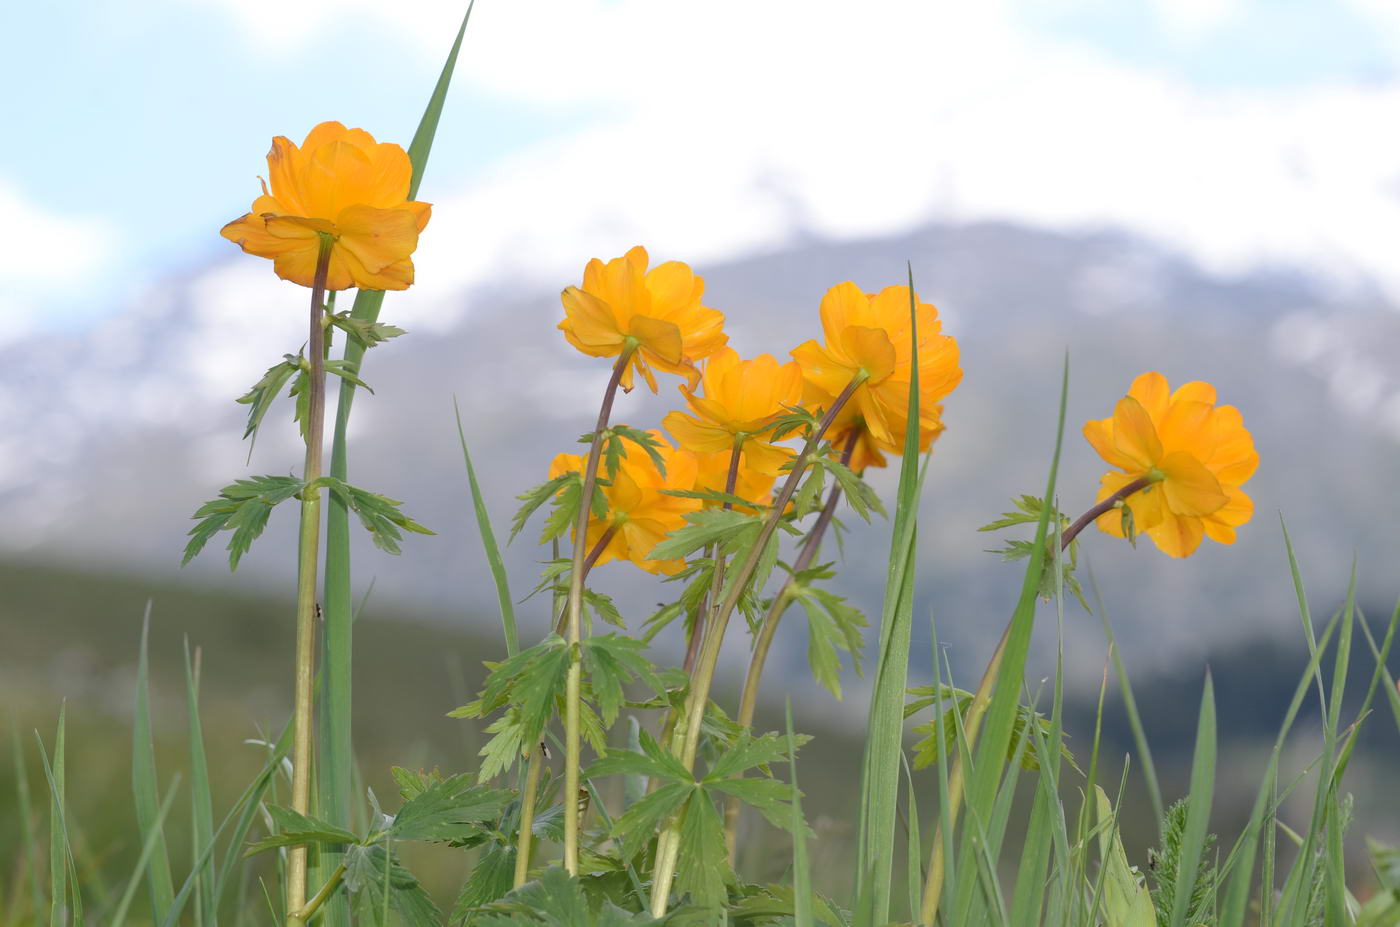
(687, 736)
(697, 629)
(573, 683)
(527, 816)
(314, 905)
(748, 701)
(307, 547)
(933, 888)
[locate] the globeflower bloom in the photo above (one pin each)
(752, 484)
(639, 514)
(343, 184)
(870, 333)
(656, 314)
(1194, 454)
(742, 400)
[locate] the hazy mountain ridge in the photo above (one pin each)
(117, 436)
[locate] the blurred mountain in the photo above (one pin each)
(117, 434)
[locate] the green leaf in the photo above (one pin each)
(346, 370)
(775, 904)
(534, 498)
(1193, 838)
(294, 828)
(832, 625)
(645, 440)
(944, 728)
(725, 527)
(143, 782)
(859, 495)
(749, 751)
(1126, 900)
(638, 823)
(530, 682)
(379, 515)
(450, 810)
(702, 868)
(772, 799)
(489, 545)
(260, 396)
(242, 507)
(612, 662)
(368, 870)
(490, 878)
(651, 761)
(365, 332)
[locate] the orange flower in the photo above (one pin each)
(623, 305)
(753, 484)
(341, 183)
(742, 401)
(1196, 454)
(871, 333)
(639, 514)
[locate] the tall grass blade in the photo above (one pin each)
(147, 849)
(143, 784)
(201, 800)
(29, 841)
(1193, 839)
(65, 895)
(488, 543)
(884, 743)
(1140, 742)
(801, 863)
(335, 748)
(913, 851)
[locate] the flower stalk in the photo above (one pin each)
(685, 740)
(307, 551)
(981, 701)
(573, 684)
(748, 701)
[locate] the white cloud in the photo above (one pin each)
(733, 129)
(1193, 19)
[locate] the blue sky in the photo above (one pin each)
(141, 126)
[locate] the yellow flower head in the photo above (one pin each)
(342, 183)
(871, 333)
(753, 483)
(1196, 454)
(639, 514)
(742, 399)
(622, 304)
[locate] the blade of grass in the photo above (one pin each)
(336, 749)
(29, 841)
(1193, 839)
(884, 743)
(143, 783)
(202, 802)
(1140, 742)
(913, 853)
(147, 848)
(801, 864)
(489, 545)
(63, 878)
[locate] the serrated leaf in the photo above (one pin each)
(347, 371)
(832, 625)
(859, 495)
(702, 866)
(612, 662)
(534, 498)
(367, 884)
(645, 441)
(705, 527)
(294, 828)
(242, 507)
(639, 823)
(452, 809)
(379, 515)
(365, 332)
(260, 396)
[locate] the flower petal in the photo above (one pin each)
(1190, 488)
(1152, 391)
(1177, 535)
(696, 435)
(1134, 435)
(658, 337)
(870, 350)
(378, 237)
(589, 320)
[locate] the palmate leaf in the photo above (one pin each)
(294, 828)
(242, 507)
(529, 682)
(611, 662)
(556, 899)
(451, 810)
(260, 396)
(1028, 512)
(490, 879)
(832, 626)
(775, 904)
(365, 332)
(534, 498)
(366, 879)
(702, 867)
(797, 418)
(725, 527)
(379, 515)
(614, 450)
(861, 497)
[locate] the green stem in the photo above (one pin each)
(697, 629)
(687, 736)
(748, 701)
(307, 547)
(573, 683)
(933, 887)
(309, 911)
(527, 816)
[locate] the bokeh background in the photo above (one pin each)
(1210, 188)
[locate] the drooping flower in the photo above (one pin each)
(1195, 454)
(741, 402)
(658, 312)
(639, 514)
(344, 184)
(871, 333)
